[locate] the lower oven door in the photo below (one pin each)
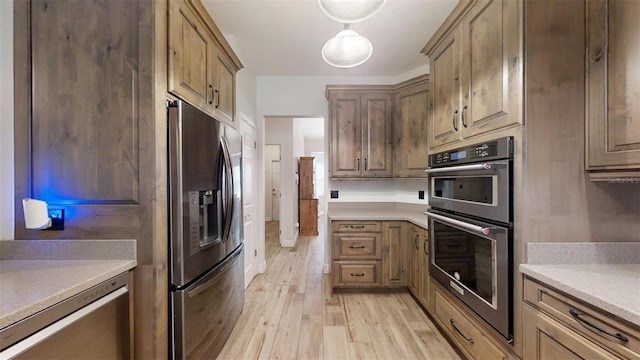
(473, 260)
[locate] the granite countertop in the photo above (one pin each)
(380, 212)
(605, 275)
(36, 274)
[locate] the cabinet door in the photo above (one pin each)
(445, 92)
(345, 135)
(490, 67)
(191, 53)
(395, 253)
(545, 338)
(613, 85)
(410, 133)
(414, 263)
(224, 88)
(376, 136)
(308, 217)
(426, 291)
(305, 171)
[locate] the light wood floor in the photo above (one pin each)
(290, 313)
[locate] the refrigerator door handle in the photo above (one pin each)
(228, 188)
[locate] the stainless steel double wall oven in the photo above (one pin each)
(471, 226)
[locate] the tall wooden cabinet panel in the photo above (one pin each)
(395, 254)
(413, 238)
(613, 85)
(476, 74)
(224, 87)
(425, 289)
(410, 129)
(308, 205)
(361, 134)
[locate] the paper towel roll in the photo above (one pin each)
(36, 214)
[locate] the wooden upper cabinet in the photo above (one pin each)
(202, 66)
(445, 92)
(613, 85)
(476, 72)
(410, 129)
(376, 135)
(191, 53)
(360, 141)
(305, 172)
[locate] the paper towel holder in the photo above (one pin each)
(38, 216)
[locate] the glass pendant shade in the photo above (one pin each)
(351, 11)
(347, 49)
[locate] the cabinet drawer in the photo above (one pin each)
(464, 332)
(357, 226)
(357, 246)
(585, 320)
(357, 274)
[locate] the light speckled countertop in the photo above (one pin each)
(605, 275)
(36, 274)
(380, 212)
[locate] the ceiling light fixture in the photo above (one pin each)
(347, 49)
(351, 11)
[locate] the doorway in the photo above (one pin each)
(273, 186)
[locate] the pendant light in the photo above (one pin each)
(351, 11)
(347, 49)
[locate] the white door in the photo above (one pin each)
(249, 194)
(275, 190)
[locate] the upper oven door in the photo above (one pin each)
(481, 190)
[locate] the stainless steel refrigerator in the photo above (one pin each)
(206, 276)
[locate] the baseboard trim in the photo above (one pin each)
(326, 268)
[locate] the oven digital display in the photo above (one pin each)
(457, 155)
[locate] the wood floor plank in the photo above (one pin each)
(407, 341)
(335, 343)
(310, 342)
(381, 336)
(286, 342)
(252, 312)
(264, 335)
(300, 272)
(361, 351)
(356, 326)
(288, 268)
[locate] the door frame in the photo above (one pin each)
(279, 145)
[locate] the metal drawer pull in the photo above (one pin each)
(356, 247)
(470, 340)
(424, 248)
(618, 336)
(352, 274)
(356, 226)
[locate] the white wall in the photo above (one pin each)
(279, 130)
(271, 153)
(313, 145)
(7, 193)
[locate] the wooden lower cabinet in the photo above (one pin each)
(557, 326)
(464, 331)
(308, 217)
(545, 338)
(395, 254)
(415, 273)
(425, 294)
(354, 274)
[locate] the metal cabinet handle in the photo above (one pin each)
(470, 340)
(464, 123)
(415, 242)
(356, 226)
(218, 102)
(361, 274)
(358, 164)
(365, 164)
(453, 120)
(470, 227)
(576, 315)
(426, 252)
(210, 92)
(356, 247)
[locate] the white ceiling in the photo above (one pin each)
(284, 37)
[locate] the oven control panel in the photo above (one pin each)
(491, 150)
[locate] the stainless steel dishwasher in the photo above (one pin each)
(94, 324)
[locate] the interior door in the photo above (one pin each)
(248, 199)
(275, 190)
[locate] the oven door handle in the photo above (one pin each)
(464, 225)
(482, 166)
